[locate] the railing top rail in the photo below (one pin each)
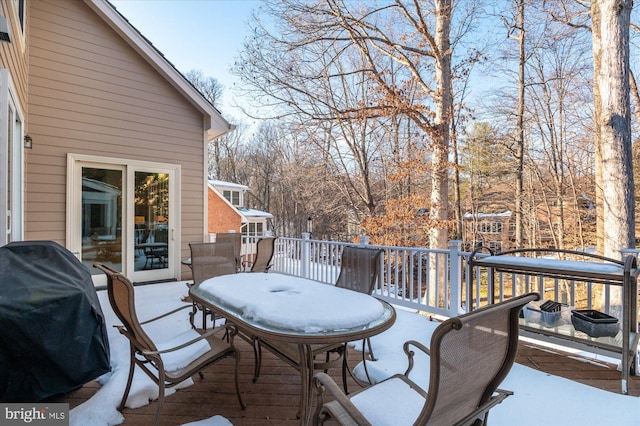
(583, 254)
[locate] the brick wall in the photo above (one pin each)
(222, 217)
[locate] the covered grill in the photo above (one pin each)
(53, 336)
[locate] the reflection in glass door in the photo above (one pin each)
(151, 205)
(101, 217)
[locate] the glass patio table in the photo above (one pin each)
(294, 310)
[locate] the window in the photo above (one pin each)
(496, 246)
(233, 197)
(496, 228)
(20, 9)
(491, 227)
(255, 229)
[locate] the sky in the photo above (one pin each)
(539, 398)
(200, 35)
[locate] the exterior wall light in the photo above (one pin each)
(4, 30)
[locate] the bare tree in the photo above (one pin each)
(518, 28)
(418, 44)
(212, 90)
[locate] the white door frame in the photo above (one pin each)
(75, 163)
(11, 179)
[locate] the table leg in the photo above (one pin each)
(306, 376)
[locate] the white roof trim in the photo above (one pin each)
(215, 124)
(256, 214)
(506, 213)
(215, 183)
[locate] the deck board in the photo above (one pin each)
(273, 400)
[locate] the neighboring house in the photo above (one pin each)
(487, 230)
(227, 211)
(103, 143)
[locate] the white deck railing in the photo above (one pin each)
(428, 280)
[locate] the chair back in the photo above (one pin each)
(210, 260)
(264, 254)
(470, 356)
(359, 268)
(236, 239)
(122, 300)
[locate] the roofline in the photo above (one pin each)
(215, 182)
(215, 124)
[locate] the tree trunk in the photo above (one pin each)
(615, 132)
(520, 129)
(440, 162)
(597, 112)
(615, 126)
(456, 180)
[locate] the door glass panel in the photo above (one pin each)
(102, 218)
(151, 220)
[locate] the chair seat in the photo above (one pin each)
(217, 349)
(398, 392)
(195, 356)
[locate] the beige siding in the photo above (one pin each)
(91, 93)
(13, 56)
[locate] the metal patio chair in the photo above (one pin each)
(209, 260)
(264, 255)
(359, 268)
(236, 239)
(470, 356)
(144, 351)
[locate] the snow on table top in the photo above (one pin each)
(293, 303)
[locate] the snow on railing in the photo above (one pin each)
(434, 281)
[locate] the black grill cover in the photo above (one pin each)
(53, 337)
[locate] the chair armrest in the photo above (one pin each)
(166, 314)
(411, 353)
(184, 345)
(322, 382)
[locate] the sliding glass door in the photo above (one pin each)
(122, 214)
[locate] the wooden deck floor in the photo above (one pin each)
(273, 400)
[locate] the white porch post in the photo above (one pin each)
(305, 253)
(455, 277)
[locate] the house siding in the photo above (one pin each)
(222, 217)
(13, 56)
(91, 93)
